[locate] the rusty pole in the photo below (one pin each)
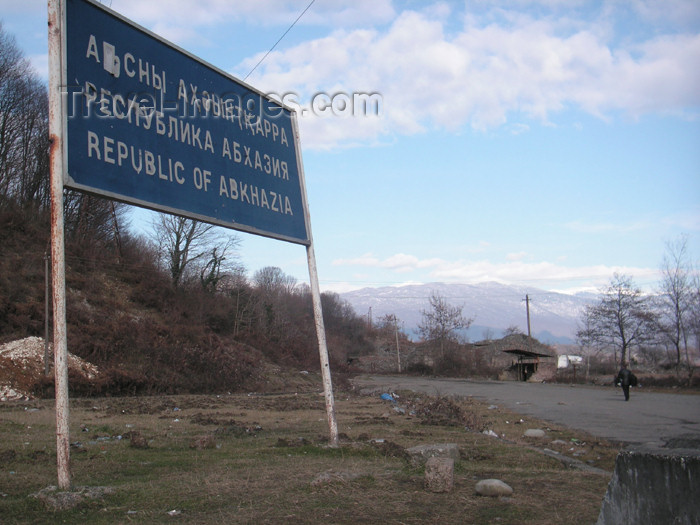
(58, 266)
(316, 301)
(322, 348)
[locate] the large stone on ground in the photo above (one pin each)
(494, 488)
(439, 474)
(535, 433)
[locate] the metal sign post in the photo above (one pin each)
(322, 348)
(316, 299)
(58, 272)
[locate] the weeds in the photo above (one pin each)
(283, 472)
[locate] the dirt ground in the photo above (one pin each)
(265, 459)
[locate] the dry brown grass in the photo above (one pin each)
(269, 450)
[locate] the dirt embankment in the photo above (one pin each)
(22, 367)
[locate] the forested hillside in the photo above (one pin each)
(125, 315)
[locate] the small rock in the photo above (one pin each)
(494, 488)
(534, 433)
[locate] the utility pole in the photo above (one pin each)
(529, 333)
(396, 331)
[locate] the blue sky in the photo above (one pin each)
(541, 143)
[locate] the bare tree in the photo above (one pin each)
(94, 221)
(487, 334)
(187, 247)
(213, 271)
(694, 309)
(273, 281)
(275, 290)
(622, 320)
(441, 323)
(244, 301)
(588, 343)
(675, 297)
(24, 146)
(512, 330)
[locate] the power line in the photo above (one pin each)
(280, 39)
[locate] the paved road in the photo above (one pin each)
(647, 417)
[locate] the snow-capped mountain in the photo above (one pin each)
(493, 307)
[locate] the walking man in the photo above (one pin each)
(625, 379)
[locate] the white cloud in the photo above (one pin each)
(203, 13)
(516, 256)
(678, 12)
(449, 66)
(512, 271)
(399, 262)
(518, 128)
(688, 221)
(486, 73)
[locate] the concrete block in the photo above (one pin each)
(439, 474)
(421, 453)
(653, 485)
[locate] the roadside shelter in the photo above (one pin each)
(527, 362)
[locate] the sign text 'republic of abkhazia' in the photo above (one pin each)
(151, 125)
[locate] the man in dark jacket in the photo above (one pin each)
(625, 378)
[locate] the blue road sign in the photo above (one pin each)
(149, 124)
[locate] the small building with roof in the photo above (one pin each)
(525, 354)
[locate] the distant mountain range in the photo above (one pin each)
(493, 306)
